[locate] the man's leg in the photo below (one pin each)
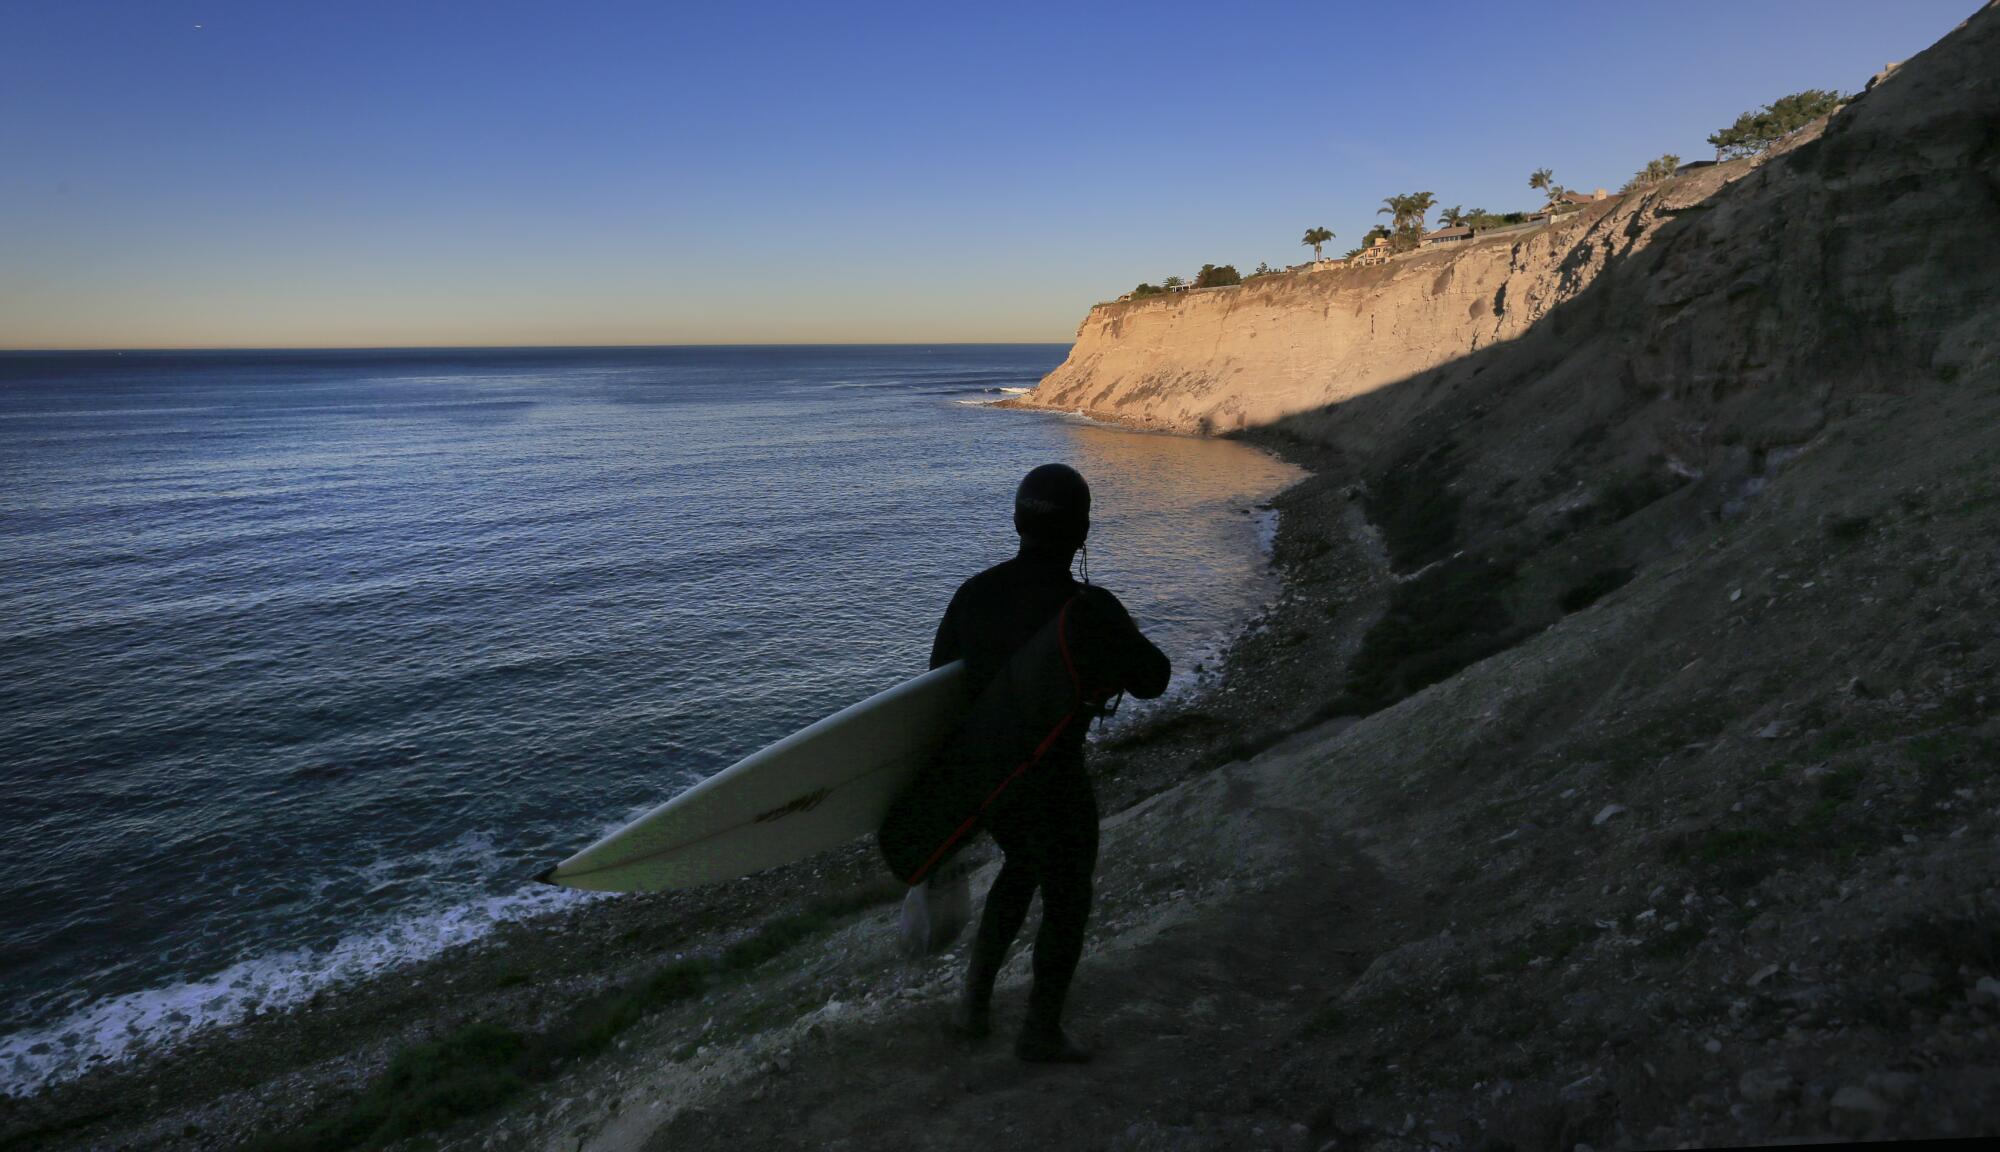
(999, 922)
(1067, 858)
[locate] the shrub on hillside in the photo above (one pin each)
(1593, 588)
(1413, 507)
(1624, 495)
(1480, 219)
(1452, 615)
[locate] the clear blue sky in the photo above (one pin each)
(256, 173)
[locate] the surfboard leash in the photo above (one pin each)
(1111, 703)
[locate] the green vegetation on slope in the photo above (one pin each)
(1452, 615)
(1758, 129)
(430, 1086)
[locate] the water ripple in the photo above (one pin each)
(308, 660)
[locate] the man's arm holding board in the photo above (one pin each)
(1143, 670)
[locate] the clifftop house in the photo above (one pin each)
(1376, 253)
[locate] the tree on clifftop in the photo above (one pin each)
(1654, 172)
(1406, 214)
(1759, 128)
(1421, 203)
(1544, 180)
(1452, 217)
(1396, 208)
(1217, 276)
(1314, 238)
(1480, 219)
(1405, 211)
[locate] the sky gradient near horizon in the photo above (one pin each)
(243, 174)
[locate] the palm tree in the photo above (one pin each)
(1398, 209)
(1408, 210)
(1316, 237)
(1452, 217)
(1545, 180)
(1421, 204)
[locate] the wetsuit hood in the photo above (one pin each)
(1052, 507)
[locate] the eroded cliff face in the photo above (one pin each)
(1224, 359)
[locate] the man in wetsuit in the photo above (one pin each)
(1046, 822)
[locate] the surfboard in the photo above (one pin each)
(823, 786)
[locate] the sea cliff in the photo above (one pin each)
(1224, 359)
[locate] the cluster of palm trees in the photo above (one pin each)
(1407, 212)
(1543, 180)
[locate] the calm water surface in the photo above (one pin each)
(309, 660)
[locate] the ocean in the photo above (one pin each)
(310, 660)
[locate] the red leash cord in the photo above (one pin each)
(972, 821)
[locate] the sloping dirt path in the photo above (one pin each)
(1190, 1024)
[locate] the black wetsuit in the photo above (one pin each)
(1046, 823)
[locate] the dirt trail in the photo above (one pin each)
(1186, 1016)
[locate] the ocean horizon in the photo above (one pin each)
(311, 658)
(310, 349)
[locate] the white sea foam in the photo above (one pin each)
(1186, 681)
(114, 1028)
(1267, 530)
(1017, 391)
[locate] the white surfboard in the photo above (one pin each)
(818, 788)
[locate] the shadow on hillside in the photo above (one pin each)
(1537, 476)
